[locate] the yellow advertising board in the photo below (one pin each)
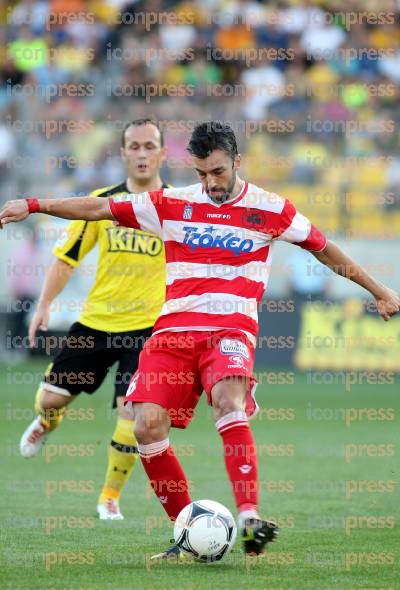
(341, 336)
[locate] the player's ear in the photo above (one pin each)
(237, 161)
(164, 152)
(122, 153)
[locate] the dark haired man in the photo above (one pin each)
(218, 238)
(117, 318)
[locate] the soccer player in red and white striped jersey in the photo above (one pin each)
(218, 237)
(218, 252)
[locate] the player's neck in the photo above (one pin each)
(144, 187)
(238, 188)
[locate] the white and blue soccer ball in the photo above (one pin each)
(206, 530)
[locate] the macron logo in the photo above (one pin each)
(218, 216)
(245, 469)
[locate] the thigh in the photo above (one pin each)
(235, 386)
(128, 360)
(168, 376)
(82, 364)
(49, 400)
(228, 360)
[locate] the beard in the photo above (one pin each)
(228, 193)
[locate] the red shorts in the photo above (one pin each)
(175, 368)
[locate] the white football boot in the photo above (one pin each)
(109, 510)
(33, 439)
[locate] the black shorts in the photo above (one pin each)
(84, 361)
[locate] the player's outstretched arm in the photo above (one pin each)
(387, 300)
(86, 208)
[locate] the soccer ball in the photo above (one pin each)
(206, 530)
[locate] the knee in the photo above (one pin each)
(224, 402)
(225, 406)
(48, 401)
(46, 404)
(151, 426)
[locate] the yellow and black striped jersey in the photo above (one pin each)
(129, 288)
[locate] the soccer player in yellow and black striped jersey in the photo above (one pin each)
(117, 318)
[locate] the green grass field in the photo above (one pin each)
(319, 478)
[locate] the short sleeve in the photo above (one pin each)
(297, 229)
(140, 211)
(78, 238)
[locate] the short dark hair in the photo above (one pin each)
(138, 123)
(210, 136)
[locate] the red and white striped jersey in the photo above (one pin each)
(218, 255)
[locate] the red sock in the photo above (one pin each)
(240, 458)
(166, 476)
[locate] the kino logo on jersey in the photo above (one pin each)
(121, 239)
(194, 239)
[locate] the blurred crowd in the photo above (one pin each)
(311, 87)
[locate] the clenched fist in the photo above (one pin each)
(387, 303)
(13, 211)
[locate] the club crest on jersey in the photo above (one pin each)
(253, 219)
(188, 212)
(234, 347)
(205, 238)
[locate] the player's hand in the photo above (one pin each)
(13, 211)
(39, 321)
(387, 303)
